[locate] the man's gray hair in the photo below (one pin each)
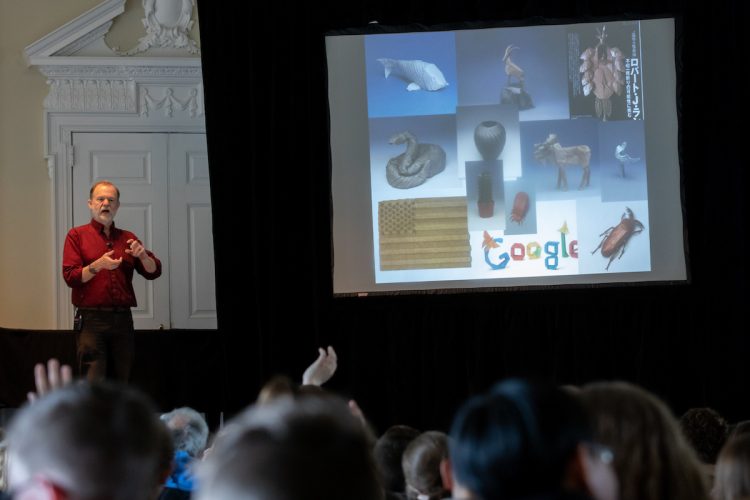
(291, 449)
(103, 183)
(96, 440)
(189, 430)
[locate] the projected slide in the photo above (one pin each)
(502, 153)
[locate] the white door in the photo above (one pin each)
(165, 201)
(192, 288)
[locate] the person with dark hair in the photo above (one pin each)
(526, 440)
(98, 263)
(739, 429)
(389, 451)
(189, 432)
(423, 460)
(732, 479)
(87, 441)
(304, 448)
(706, 431)
(652, 459)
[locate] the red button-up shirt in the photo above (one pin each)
(85, 244)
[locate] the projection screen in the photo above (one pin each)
(505, 157)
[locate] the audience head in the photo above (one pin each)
(277, 387)
(706, 431)
(87, 441)
(189, 430)
(519, 440)
(422, 462)
(740, 429)
(732, 476)
(651, 458)
(310, 447)
(389, 450)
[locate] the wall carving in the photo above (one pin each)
(168, 24)
(91, 96)
(121, 71)
(169, 102)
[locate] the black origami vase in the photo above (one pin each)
(489, 137)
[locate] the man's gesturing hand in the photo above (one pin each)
(136, 249)
(107, 262)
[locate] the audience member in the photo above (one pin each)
(308, 448)
(318, 373)
(87, 441)
(422, 462)
(389, 451)
(278, 386)
(652, 459)
(740, 429)
(189, 432)
(732, 480)
(706, 431)
(524, 440)
(521, 440)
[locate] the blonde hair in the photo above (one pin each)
(421, 464)
(732, 475)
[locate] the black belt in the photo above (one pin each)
(105, 309)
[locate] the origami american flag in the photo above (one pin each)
(423, 233)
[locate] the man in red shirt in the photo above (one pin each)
(98, 264)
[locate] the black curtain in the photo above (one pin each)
(413, 359)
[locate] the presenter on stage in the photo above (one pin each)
(98, 264)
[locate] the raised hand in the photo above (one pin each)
(47, 380)
(322, 369)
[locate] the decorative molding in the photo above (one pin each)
(91, 96)
(51, 161)
(85, 41)
(115, 71)
(70, 154)
(168, 24)
(79, 28)
(169, 102)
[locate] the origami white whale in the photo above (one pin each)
(421, 75)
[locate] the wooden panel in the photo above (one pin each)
(201, 267)
(197, 166)
(121, 167)
(192, 291)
